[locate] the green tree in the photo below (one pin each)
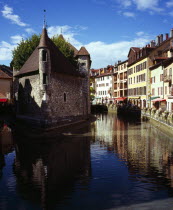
(25, 48)
(92, 93)
(64, 48)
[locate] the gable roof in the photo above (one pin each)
(7, 70)
(3, 75)
(59, 63)
(31, 65)
(135, 49)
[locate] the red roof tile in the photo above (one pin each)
(3, 75)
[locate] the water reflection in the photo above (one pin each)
(147, 153)
(46, 172)
(6, 142)
(108, 164)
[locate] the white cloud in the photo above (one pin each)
(56, 30)
(16, 39)
(6, 51)
(169, 4)
(68, 32)
(129, 14)
(7, 13)
(148, 4)
(140, 33)
(29, 30)
(103, 54)
(80, 28)
(124, 3)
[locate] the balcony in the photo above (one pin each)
(168, 78)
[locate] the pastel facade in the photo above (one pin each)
(104, 88)
(120, 87)
(168, 83)
(139, 76)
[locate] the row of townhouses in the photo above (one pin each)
(144, 79)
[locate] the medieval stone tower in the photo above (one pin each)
(44, 64)
(84, 63)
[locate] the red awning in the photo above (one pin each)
(3, 99)
(121, 99)
(158, 99)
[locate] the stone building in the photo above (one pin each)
(49, 89)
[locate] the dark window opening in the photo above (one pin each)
(44, 55)
(82, 64)
(44, 78)
(65, 97)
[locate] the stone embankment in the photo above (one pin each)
(161, 119)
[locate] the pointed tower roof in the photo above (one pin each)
(44, 39)
(61, 36)
(83, 51)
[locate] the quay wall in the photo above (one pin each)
(163, 120)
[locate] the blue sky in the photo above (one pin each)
(107, 28)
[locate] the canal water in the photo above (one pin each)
(106, 164)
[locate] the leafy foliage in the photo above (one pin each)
(64, 48)
(92, 92)
(25, 48)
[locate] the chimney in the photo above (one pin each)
(166, 36)
(148, 45)
(158, 40)
(161, 38)
(171, 33)
(119, 61)
(153, 43)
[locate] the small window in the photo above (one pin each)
(65, 97)
(83, 64)
(44, 55)
(44, 78)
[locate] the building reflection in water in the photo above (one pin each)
(46, 172)
(102, 129)
(144, 149)
(6, 142)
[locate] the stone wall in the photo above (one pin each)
(28, 96)
(160, 118)
(66, 98)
